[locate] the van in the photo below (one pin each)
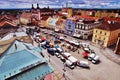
(66, 55)
(69, 64)
(83, 64)
(73, 60)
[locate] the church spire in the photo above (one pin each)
(32, 6)
(38, 6)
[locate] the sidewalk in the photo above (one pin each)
(108, 53)
(111, 55)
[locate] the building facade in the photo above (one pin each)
(69, 27)
(84, 28)
(117, 48)
(106, 34)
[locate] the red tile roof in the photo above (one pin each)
(112, 19)
(25, 15)
(59, 21)
(109, 26)
(6, 23)
(87, 17)
(44, 17)
(7, 17)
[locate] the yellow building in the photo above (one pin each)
(25, 18)
(43, 22)
(117, 48)
(69, 11)
(111, 14)
(98, 14)
(106, 34)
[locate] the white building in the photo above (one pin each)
(84, 28)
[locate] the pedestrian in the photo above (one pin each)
(78, 51)
(63, 74)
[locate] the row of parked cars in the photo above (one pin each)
(90, 54)
(66, 57)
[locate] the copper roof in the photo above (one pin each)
(109, 26)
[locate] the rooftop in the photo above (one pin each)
(18, 58)
(109, 26)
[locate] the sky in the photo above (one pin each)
(59, 3)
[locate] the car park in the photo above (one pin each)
(83, 64)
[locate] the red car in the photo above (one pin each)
(84, 54)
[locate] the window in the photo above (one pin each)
(95, 35)
(99, 37)
(100, 32)
(105, 33)
(69, 26)
(96, 31)
(95, 40)
(104, 38)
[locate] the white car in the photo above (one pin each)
(83, 64)
(69, 64)
(57, 54)
(95, 59)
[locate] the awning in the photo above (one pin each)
(76, 35)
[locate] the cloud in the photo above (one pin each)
(59, 3)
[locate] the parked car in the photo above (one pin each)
(69, 64)
(84, 54)
(91, 56)
(57, 54)
(62, 58)
(95, 59)
(59, 50)
(73, 60)
(50, 51)
(83, 64)
(87, 49)
(62, 38)
(66, 55)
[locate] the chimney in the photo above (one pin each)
(32, 6)
(38, 6)
(109, 22)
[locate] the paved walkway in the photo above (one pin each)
(108, 53)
